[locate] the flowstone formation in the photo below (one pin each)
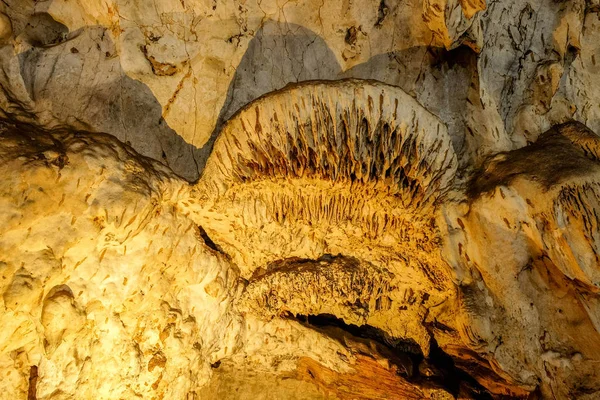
(299, 200)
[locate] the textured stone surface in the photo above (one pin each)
(104, 286)
(430, 230)
(528, 247)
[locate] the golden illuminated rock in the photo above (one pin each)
(104, 285)
(347, 200)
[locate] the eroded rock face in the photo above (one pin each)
(526, 245)
(104, 285)
(430, 232)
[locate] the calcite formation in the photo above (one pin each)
(299, 200)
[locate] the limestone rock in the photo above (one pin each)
(536, 281)
(358, 199)
(103, 284)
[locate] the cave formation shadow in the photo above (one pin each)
(124, 107)
(277, 55)
(439, 79)
(127, 108)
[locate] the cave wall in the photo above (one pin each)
(299, 199)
